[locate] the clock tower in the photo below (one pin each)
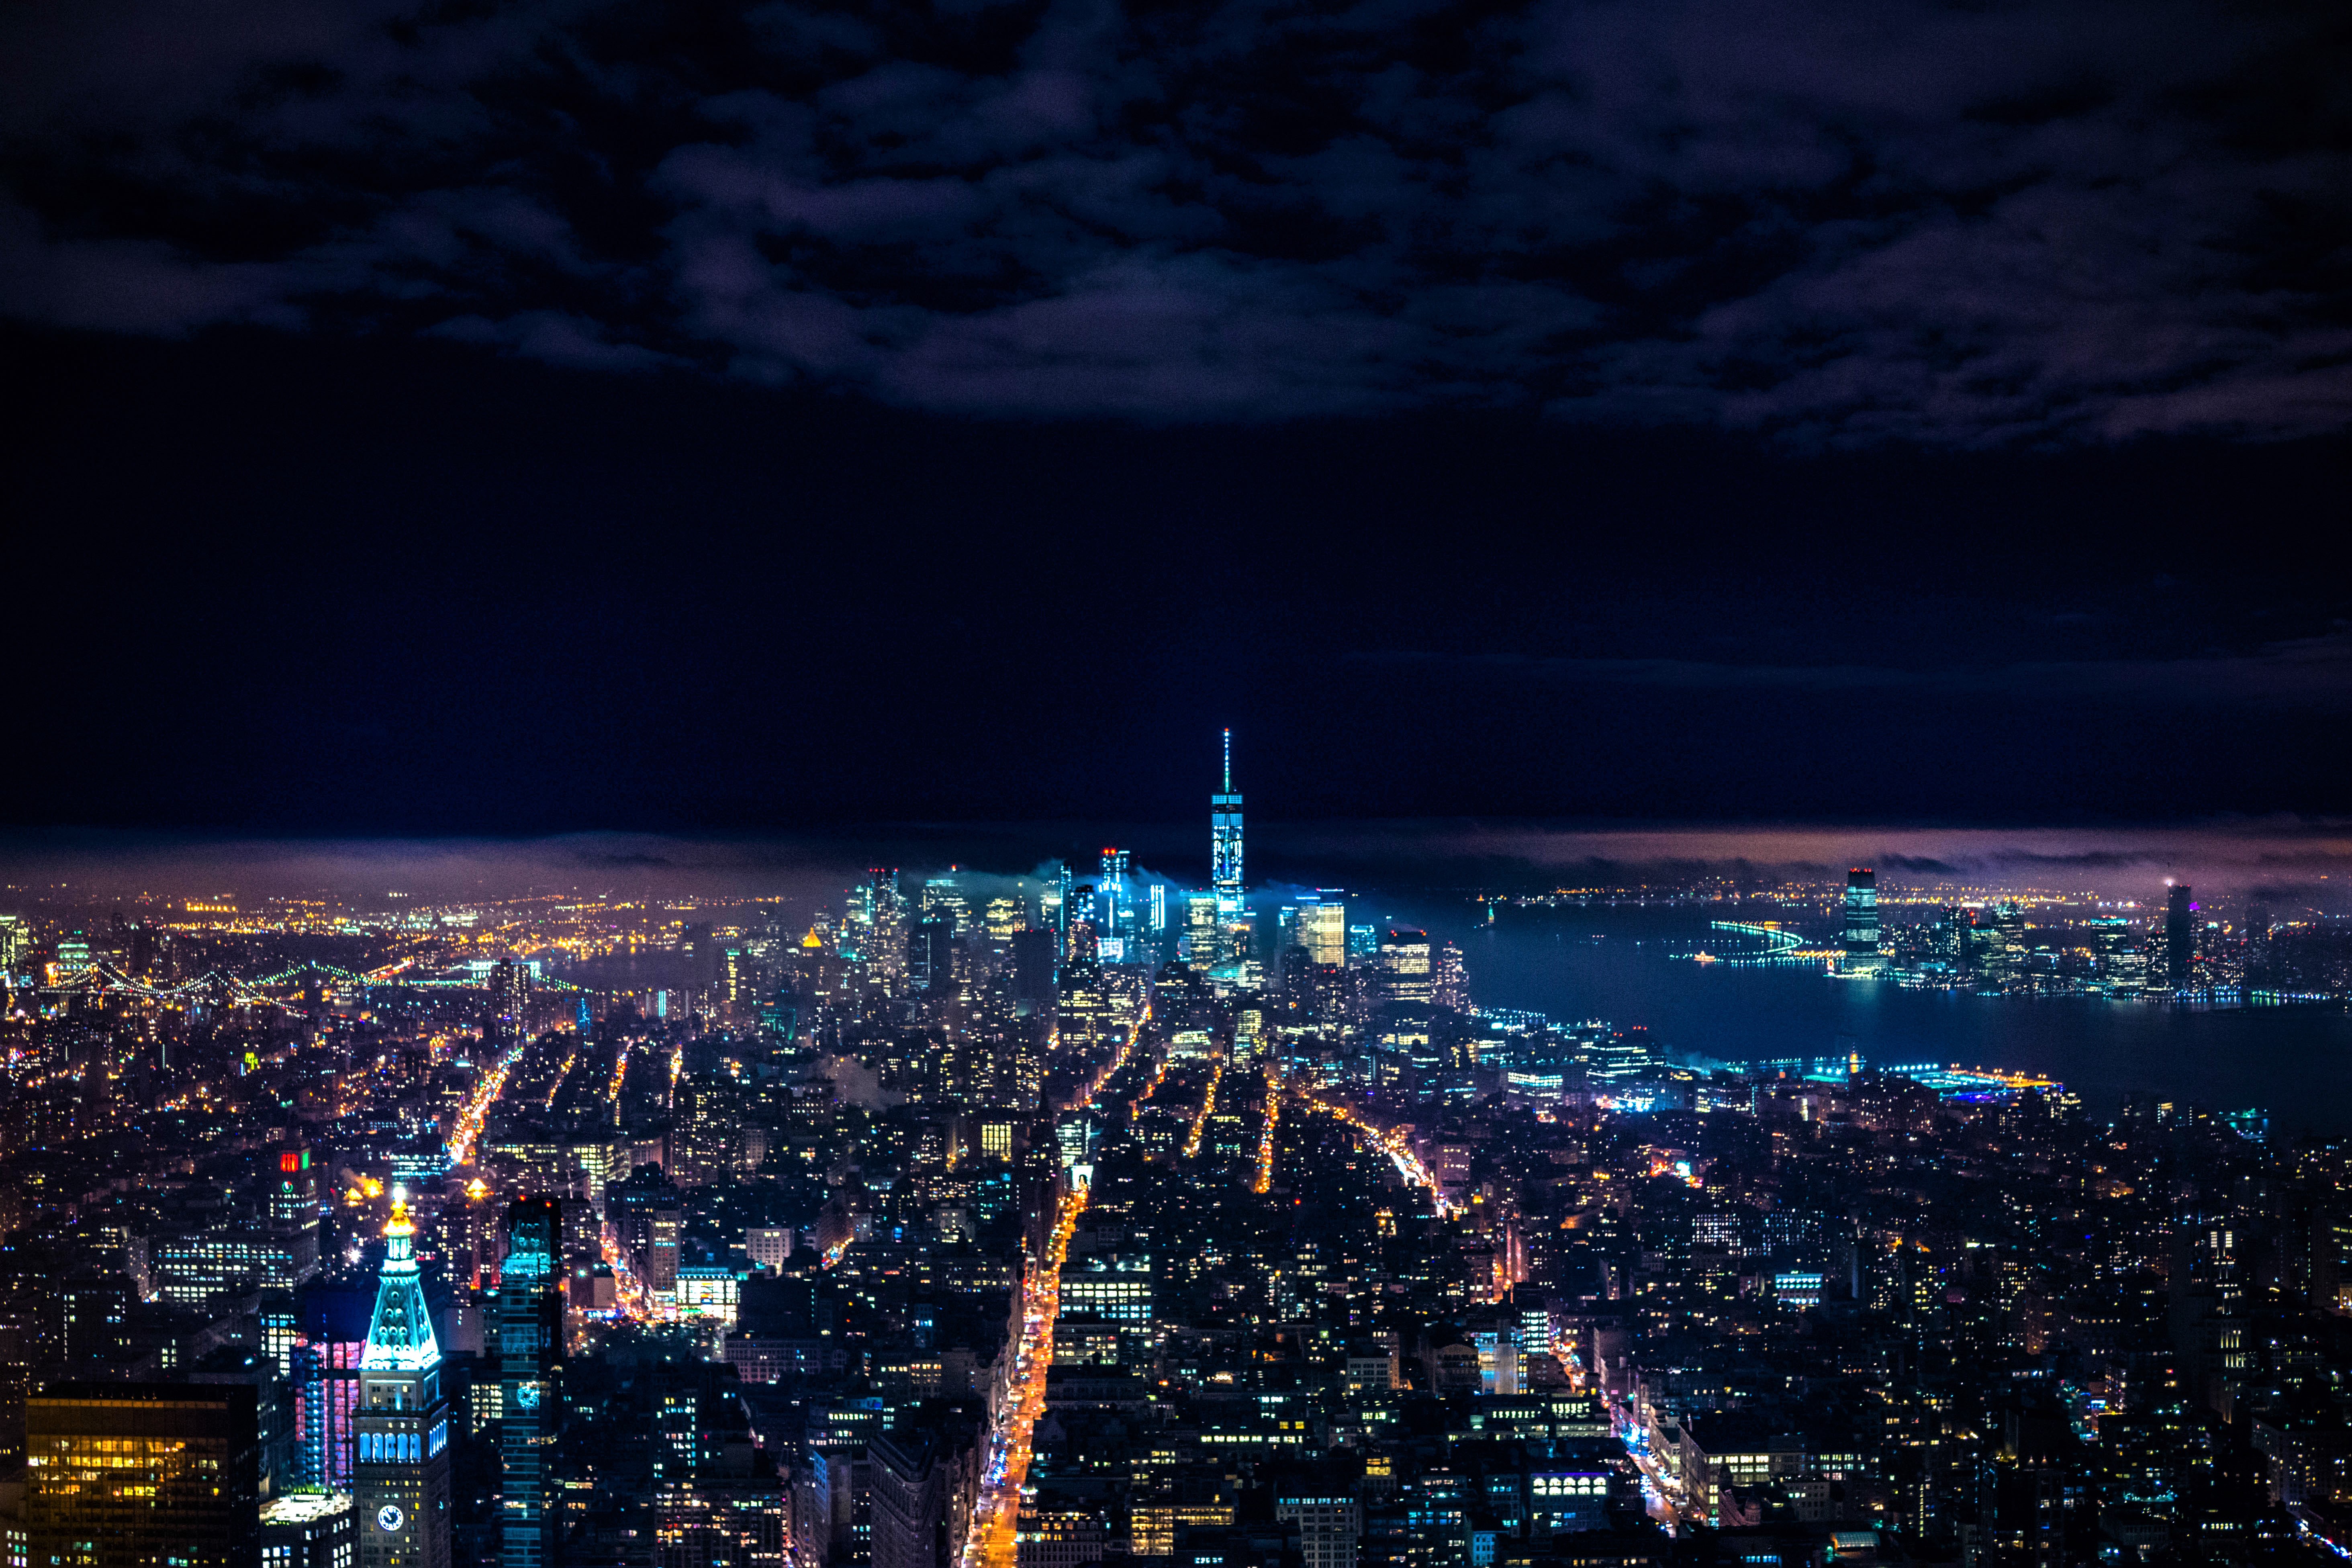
(401, 1481)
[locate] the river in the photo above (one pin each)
(1618, 964)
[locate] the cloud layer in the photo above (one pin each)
(2067, 221)
(2301, 673)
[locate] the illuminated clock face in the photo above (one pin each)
(389, 1517)
(527, 1395)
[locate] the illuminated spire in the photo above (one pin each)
(400, 1334)
(399, 1233)
(1225, 841)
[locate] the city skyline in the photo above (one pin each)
(1064, 783)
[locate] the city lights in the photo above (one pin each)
(940, 1213)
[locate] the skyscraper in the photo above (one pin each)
(930, 956)
(509, 1002)
(888, 958)
(136, 1474)
(1225, 844)
(530, 1337)
(1200, 931)
(2180, 937)
(1404, 966)
(1322, 928)
(1861, 956)
(1037, 959)
(705, 1125)
(1117, 905)
(401, 1481)
(1082, 931)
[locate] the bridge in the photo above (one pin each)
(1780, 947)
(217, 988)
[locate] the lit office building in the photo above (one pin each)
(1322, 926)
(1618, 1058)
(122, 1475)
(1404, 966)
(1201, 930)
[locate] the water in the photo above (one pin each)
(2295, 1062)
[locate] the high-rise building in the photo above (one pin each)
(1449, 978)
(2180, 937)
(1618, 1056)
(126, 1474)
(1226, 843)
(706, 1124)
(531, 1339)
(1200, 937)
(1862, 955)
(1036, 961)
(1115, 904)
(401, 1479)
(1405, 967)
(509, 1002)
(943, 899)
(930, 956)
(1000, 918)
(2005, 956)
(1081, 932)
(646, 1211)
(294, 1201)
(889, 955)
(1322, 926)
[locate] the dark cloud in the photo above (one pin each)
(2068, 221)
(2302, 673)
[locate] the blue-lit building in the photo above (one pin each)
(401, 1480)
(1225, 844)
(1861, 944)
(530, 1337)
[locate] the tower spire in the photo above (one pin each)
(1225, 842)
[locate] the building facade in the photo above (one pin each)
(131, 1475)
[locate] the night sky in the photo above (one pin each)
(521, 419)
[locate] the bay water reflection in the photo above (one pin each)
(1618, 964)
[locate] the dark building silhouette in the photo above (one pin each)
(925, 1476)
(930, 956)
(1034, 954)
(2179, 936)
(531, 1341)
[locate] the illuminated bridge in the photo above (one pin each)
(289, 990)
(1776, 946)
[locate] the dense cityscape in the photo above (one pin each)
(977, 1221)
(622, 612)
